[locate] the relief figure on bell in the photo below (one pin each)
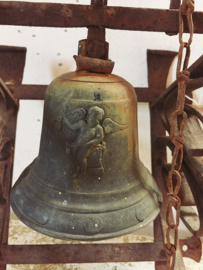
(90, 133)
(89, 138)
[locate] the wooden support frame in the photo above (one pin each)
(35, 14)
(69, 15)
(43, 254)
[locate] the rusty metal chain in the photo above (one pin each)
(179, 117)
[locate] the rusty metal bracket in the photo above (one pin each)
(191, 248)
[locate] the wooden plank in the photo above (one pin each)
(69, 15)
(81, 253)
(21, 91)
(8, 175)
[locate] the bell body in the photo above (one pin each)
(87, 182)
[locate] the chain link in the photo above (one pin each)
(179, 118)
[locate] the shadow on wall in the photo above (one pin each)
(60, 67)
(172, 72)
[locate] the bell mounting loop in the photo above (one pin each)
(95, 45)
(93, 64)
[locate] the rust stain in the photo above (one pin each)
(111, 11)
(67, 11)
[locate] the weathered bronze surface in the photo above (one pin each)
(87, 182)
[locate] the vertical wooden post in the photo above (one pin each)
(7, 183)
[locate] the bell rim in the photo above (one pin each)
(74, 237)
(90, 236)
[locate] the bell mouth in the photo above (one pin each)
(66, 224)
(93, 224)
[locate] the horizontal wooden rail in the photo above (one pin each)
(26, 91)
(69, 15)
(81, 253)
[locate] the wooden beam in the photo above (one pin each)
(29, 91)
(81, 253)
(69, 15)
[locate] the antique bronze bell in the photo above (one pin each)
(87, 182)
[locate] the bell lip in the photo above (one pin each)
(78, 237)
(94, 237)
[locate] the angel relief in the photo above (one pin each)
(87, 150)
